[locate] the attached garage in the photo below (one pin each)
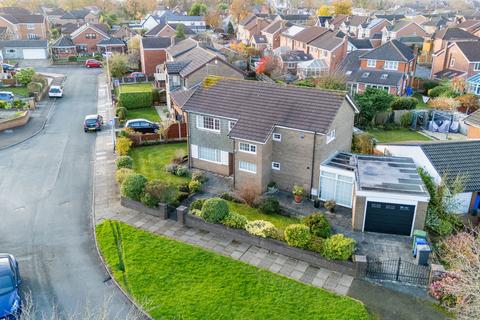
(34, 54)
(389, 217)
(24, 49)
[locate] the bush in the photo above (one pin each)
(363, 143)
(440, 289)
(230, 197)
(171, 168)
(442, 91)
(122, 173)
(196, 212)
(121, 113)
(123, 145)
(72, 59)
(270, 205)
(297, 235)
(338, 247)
(133, 186)
(316, 244)
(183, 187)
(182, 171)
(248, 194)
(318, 225)
(235, 220)
(34, 87)
(149, 200)
(197, 204)
(124, 162)
(442, 227)
(135, 100)
(181, 196)
(430, 84)
(198, 176)
(262, 228)
(406, 120)
(18, 104)
(194, 186)
(214, 210)
(3, 104)
(404, 103)
(40, 78)
(161, 191)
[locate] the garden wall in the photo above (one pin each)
(15, 122)
(162, 211)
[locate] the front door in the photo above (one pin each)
(231, 163)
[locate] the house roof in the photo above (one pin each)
(473, 119)
(112, 41)
(309, 34)
(175, 66)
(63, 42)
(379, 77)
(258, 106)
(448, 74)
(392, 50)
(360, 43)
(314, 64)
(372, 23)
(456, 158)
(328, 41)
(23, 18)
(273, 27)
(247, 20)
(57, 12)
(156, 42)
(351, 63)
(356, 20)
(470, 49)
(399, 25)
(102, 27)
(295, 17)
(468, 24)
(390, 17)
(339, 18)
(182, 47)
(68, 28)
(450, 34)
(292, 31)
(155, 30)
(14, 10)
(23, 43)
(79, 13)
(376, 36)
(84, 27)
(258, 38)
(180, 97)
(194, 59)
(177, 17)
(296, 56)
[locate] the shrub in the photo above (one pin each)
(122, 173)
(196, 212)
(316, 244)
(404, 103)
(298, 190)
(235, 220)
(121, 113)
(440, 289)
(430, 84)
(318, 225)
(183, 187)
(135, 100)
(338, 247)
(270, 205)
(72, 59)
(3, 104)
(442, 91)
(197, 204)
(330, 205)
(214, 210)
(149, 200)
(261, 228)
(198, 176)
(182, 196)
(171, 168)
(40, 78)
(34, 87)
(18, 104)
(406, 120)
(123, 145)
(161, 191)
(133, 186)
(297, 235)
(194, 186)
(442, 227)
(248, 194)
(363, 143)
(182, 171)
(124, 162)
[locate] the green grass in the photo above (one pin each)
(175, 280)
(19, 91)
(397, 135)
(148, 113)
(151, 161)
(280, 221)
(136, 87)
(421, 104)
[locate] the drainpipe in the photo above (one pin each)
(233, 160)
(313, 162)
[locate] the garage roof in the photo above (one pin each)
(23, 43)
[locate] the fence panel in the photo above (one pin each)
(398, 270)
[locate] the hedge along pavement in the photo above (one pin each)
(135, 96)
(178, 280)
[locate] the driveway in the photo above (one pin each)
(46, 203)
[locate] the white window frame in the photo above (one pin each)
(218, 154)
(371, 63)
(231, 124)
(331, 135)
(277, 136)
(30, 26)
(390, 65)
(201, 124)
(247, 166)
(247, 147)
(276, 165)
(452, 62)
(476, 66)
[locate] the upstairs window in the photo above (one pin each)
(247, 147)
(91, 35)
(277, 137)
(476, 66)
(371, 63)
(208, 123)
(30, 26)
(391, 65)
(452, 62)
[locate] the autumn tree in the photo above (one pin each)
(266, 65)
(136, 9)
(444, 103)
(239, 9)
(198, 9)
(212, 19)
(342, 7)
(469, 102)
(118, 65)
(325, 11)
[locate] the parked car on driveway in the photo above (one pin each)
(10, 281)
(92, 63)
(136, 75)
(93, 122)
(142, 125)
(55, 92)
(6, 96)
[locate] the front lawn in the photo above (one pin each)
(397, 135)
(148, 113)
(18, 91)
(151, 161)
(174, 280)
(278, 220)
(136, 87)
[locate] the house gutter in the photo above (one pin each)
(313, 162)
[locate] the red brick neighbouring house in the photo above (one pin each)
(87, 37)
(153, 52)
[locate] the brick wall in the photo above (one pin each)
(13, 123)
(150, 58)
(91, 44)
(420, 215)
(473, 132)
(358, 212)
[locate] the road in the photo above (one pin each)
(45, 208)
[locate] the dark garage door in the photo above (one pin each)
(389, 218)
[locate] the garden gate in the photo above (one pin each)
(398, 270)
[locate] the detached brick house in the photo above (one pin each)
(459, 59)
(272, 33)
(257, 133)
(25, 26)
(250, 26)
(168, 30)
(153, 52)
(441, 39)
(403, 28)
(95, 38)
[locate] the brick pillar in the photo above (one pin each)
(360, 265)
(435, 270)
(163, 209)
(182, 211)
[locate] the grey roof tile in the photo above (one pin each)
(452, 34)
(23, 43)
(393, 51)
(182, 47)
(471, 49)
(156, 42)
(378, 77)
(64, 41)
(473, 118)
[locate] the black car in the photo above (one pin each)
(142, 125)
(93, 122)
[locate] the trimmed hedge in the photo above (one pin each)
(338, 247)
(136, 100)
(133, 186)
(318, 225)
(404, 103)
(214, 210)
(297, 235)
(235, 220)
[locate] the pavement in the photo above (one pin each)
(46, 205)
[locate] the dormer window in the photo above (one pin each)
(365, 74)
(384, 76)
(371, 63)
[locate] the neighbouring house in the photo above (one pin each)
(296, 19)
(351, 25)
(187, 65)
(90, 38)
(25, 26)
(392, 18)
(359, 44)
(402, 28)
(256, 132)
(14, 10)
(63, 48)
(55, 15)
(273, 31)
(68, 28)
(473, 124)
(331, 47)
(471, 26)
(368, 29)
(390, 67)
(386, 194)
(168, 30)
(287, 35)
(195, 23)
(302, 39)
(79, 16)
(111, 44)
(259, 42)
(250, 26)
(24, 49)
(336, 22)
(153, 52)
(458, 59)
(443, 38)
(124, 33)
(289, 61)
(448, 160)
(434, 24)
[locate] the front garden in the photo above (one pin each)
(171, 279)
(136, 101)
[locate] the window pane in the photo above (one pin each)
(343, 194)
(327, 188)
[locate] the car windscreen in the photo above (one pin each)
(90, 121)
(55, 90)
(6, 284)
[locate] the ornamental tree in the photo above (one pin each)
(371, 102)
